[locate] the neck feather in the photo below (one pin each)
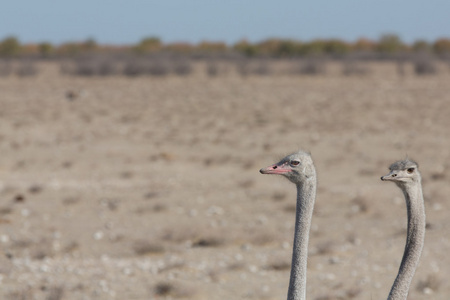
(306, 194)
(414, 241)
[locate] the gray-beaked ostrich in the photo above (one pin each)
(406, 175)
(299, 169)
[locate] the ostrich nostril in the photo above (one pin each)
(274, 167)
(394, 175)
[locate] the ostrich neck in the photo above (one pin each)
(414, 241)
(306, 194)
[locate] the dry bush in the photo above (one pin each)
(182, 67)
(19, 198)
(262, 238)
(158, 67)
(353, 67)
(360, 205)
(243, 67)
(438, 174)
(42, 249)
(262, 67)
(26, 69)
(91, 66)
(208, 241)
(326, 247)
(111, 204)
(133, 67)
(6, 68)
(246, 184)
(70, 200)
(35, 189)
(159, 207)
(236, 266)
(279, 265)
(70, 247)
(155, 208)
(175, 290)
(84, 67)
(55, 293)
(430, 284)
(290, 208)
(108, 67)
(164, 289)
(197, 236)
(5, 210)
(279, 196)
(24, 294)
(126, 174)
(151, 195)
(424, 65)
(309, 66)
(144, 247)
(212, 68)
(248, 164)
(351, 293)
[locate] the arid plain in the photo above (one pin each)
(149, 187)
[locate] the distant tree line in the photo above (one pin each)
(386, 46)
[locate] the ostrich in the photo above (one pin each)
(406, 175)
(299, 169)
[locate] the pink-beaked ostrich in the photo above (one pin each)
(299, 169)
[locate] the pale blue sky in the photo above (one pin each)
(127, 22)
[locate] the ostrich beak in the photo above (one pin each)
(276, 169)
(391, 176)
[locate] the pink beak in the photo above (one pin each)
(275, 169)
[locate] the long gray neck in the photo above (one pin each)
(414, 241)
(306, 195)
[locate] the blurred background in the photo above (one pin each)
(131, 136)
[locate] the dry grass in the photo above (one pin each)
(139, 179)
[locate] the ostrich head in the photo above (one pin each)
(403, 172)
(297, 167)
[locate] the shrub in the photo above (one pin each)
(336, 47)
(424, 65)
(364, 45)
(85, 67)
(245, 48)
(10, 46)
(147, 45)
(26, 69)
(442, 46)
(182, 67)
(6, 68)
(133, 67)
(310, 66)
(421, 46)
(107, 67)
(212, 68)
(158, 67)
(390, 43)
(313, 48)
(353, 67)
(45, 49)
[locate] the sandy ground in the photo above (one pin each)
(148, 188)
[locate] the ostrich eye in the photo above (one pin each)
(295, 162)
(410, 170)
